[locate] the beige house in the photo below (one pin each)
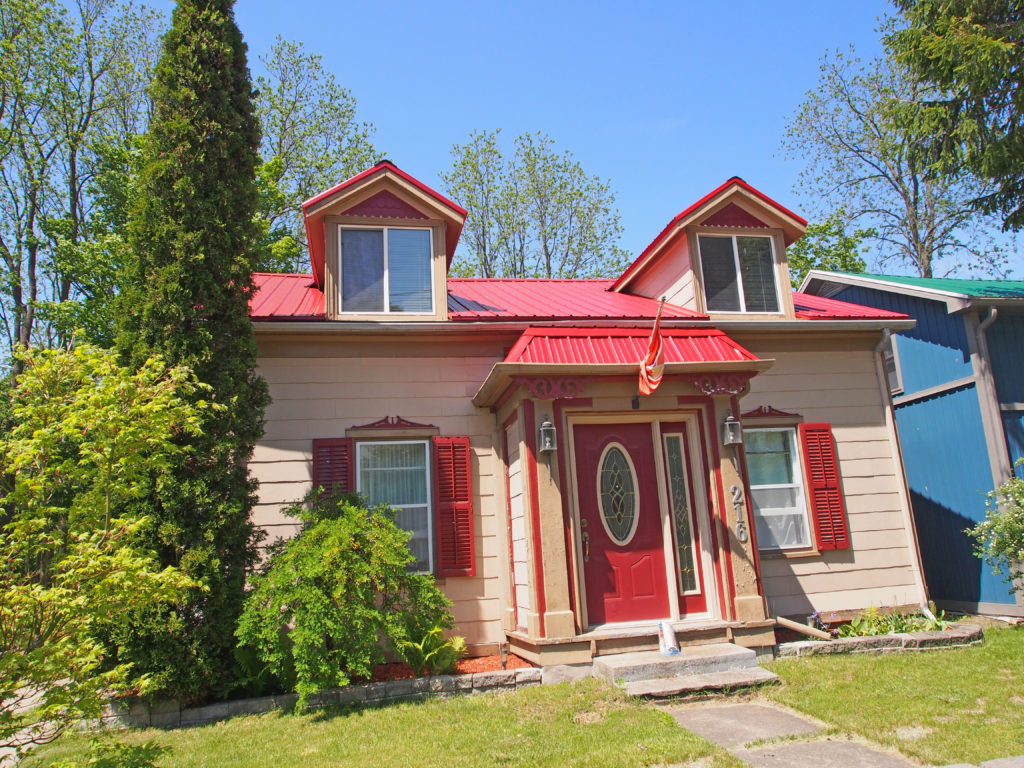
(561, 511)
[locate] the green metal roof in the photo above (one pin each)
(988, 289)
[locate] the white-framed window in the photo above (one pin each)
(397, 473)
(385, 269)
(738, 273)
(777, 493)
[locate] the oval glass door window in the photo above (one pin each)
(616, 494)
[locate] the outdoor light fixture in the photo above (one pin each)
(547, 436)
(732, 432)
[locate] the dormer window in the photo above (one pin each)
(385, 269)
(738, 273)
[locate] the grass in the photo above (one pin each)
(587, 724)
(958, 705)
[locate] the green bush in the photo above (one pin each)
(873, 622)
(429, 651)
(1000, 535)
(325, 602)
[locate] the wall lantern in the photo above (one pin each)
(732, 431)
(547, 437)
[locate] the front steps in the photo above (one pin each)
(709, 667)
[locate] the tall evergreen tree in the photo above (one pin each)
(191, 227)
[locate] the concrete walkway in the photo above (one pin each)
(743, 729)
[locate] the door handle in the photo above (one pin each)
(586, 547)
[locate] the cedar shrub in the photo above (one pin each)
(191, 229)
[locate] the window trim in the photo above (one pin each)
(359, 444)
(780, 306)
(798, 474)
(384, 229)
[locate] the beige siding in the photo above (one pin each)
(840, 387)
(671, 277)
(517, 523)
(322, 396)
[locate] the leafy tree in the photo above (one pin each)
(191, 227)
(84, 437)
(1000, 536)
(537, 214)
(311, 141)
(66, 80)
(968, 53)
(325, 599)
(861, 134)
(826, 246)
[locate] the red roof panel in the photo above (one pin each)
(286, 297)
(812, 307)
(624, 346)
(536, 300)
(296, 297)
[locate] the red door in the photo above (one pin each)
(620, 518)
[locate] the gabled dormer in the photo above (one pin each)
(380, 245)
(724, 255)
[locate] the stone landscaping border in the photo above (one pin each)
(957, 636)
(138, 714)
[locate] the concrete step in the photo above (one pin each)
(664, 687)
(692, 660)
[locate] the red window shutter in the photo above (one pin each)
(824, 487)
(334, 465)
(453, 516)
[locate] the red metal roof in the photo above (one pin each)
(286, 297)
(296, 297)
(624, 346)
(631, 270)
(811, 307)
(537, 300)
(379, 167)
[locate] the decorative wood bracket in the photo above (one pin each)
(553, 387)
(769, 412)
(392, 426)
(729, 383)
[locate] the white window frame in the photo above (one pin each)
(798, 485)
(428, 479)
(739, 274)
(387, 282)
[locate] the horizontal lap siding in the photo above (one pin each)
(841, 388)
(318, 397)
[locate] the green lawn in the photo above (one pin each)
(960, 705)
(588, 724)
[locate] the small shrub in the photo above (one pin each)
(325, 602)
(431, 653)
(873, 622)
(1000, 536)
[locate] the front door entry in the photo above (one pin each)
(621, 525)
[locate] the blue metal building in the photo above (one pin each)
(958, 395)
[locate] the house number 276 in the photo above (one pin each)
(741, 521)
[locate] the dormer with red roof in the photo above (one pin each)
(380, 245)
(725, 255)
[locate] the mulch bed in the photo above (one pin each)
(402, 671)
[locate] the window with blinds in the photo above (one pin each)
(738, 273)
(385, 269)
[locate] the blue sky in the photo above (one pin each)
(665, 100)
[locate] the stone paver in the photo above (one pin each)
(733, 725)
(821, 754)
